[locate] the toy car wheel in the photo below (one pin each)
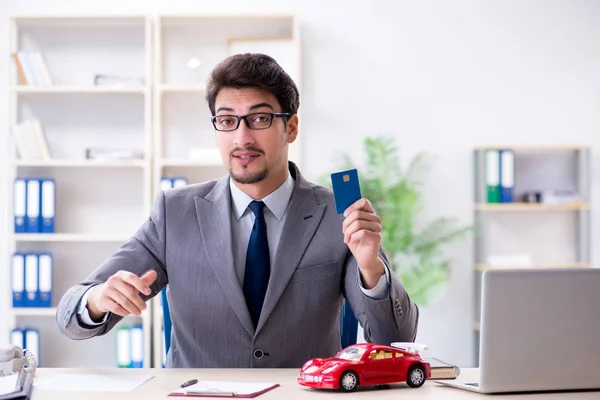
(416, 376)
(348, 381)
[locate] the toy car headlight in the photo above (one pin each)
(328, 370)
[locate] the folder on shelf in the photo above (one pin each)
(179, 181)
(48, 205)
(225, 389)
(45, 280)
(27, 339)
(30, 141)
(31, 280)
(33, 206)
(32, 344)
(172, 182)
(17, 337)
(137, 346)
(165, 183)
(42, 74)
(123, 347)
(492, 175)
(507, 176)
(37, 131)
(27, 67)
(20, 204)
(18, 280)
(20, 71)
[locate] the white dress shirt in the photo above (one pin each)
(241, 225)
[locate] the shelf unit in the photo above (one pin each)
(187, 47)
(553, 235)
(163, 118)
(99, 204)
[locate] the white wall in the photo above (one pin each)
(438, 75)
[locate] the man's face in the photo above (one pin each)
(250, 155)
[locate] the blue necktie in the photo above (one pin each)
(258, 264)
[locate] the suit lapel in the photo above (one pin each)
(214, 219)
(302, 219)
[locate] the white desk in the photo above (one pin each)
(167, 380)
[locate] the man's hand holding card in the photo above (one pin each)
(361, 227)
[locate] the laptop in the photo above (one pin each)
(539, 331)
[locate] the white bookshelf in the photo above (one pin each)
(187, 48)
(163, 117)
(99, 204)
(539, 235)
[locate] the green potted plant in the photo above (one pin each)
(414, 252)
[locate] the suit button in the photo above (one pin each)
(258, 354)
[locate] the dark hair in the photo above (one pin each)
(253, 70)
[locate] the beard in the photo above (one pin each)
(249, 178)
(246, 177)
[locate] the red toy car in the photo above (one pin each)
(367, 364)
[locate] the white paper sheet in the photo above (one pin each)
(8, 384)
(91, 382)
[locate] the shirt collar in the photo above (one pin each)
(276, 201)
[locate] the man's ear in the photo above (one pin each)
(292, 126)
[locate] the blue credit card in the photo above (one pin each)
(346, 189)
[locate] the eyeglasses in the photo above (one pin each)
(256, 121)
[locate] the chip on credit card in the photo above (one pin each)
(346, 189)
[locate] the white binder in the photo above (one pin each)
(31, 279)
(123, 348)
(179, 182)
(32, 343)
(18, 280)
(165, 184)
(17, 337)
(19, 204)
(48, 206)
(45, 280)
(33, 205)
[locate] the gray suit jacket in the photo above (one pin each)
(187, 241)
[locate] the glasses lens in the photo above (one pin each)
(225, 122)
(259, 121)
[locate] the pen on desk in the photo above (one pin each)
(189, 383)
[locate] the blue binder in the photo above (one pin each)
(18, 280)
(48, 205)
(31, 280)
(178, 181)
(137, 346)
(34, 196)
(45, 280)
(507, 176)
(20, 205)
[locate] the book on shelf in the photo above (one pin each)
(30, 141)
(32, 68)
(441, 369)
(117, 81)
(112, 154)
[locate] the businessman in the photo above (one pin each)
(257, 263)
